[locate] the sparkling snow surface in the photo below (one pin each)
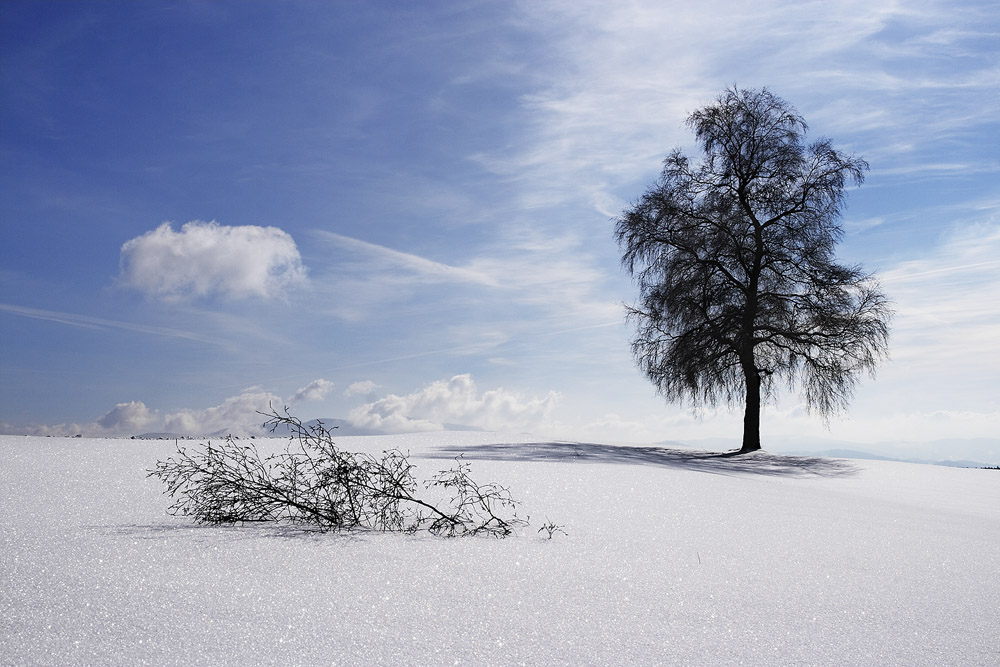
(672, 557)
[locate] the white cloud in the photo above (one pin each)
(947, 314)
(88, 322)
(131, 417)
(360, 388)
(525, 267)
(238, 415)
(940, 169)
(314, 391)
(382, 259)
(555, 274)
(208, 259)
(617, 79)
(454, 401)
(664, 425)
(920, 426)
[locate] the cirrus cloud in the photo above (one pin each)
(208, 259)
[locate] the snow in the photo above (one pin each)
(671, 557)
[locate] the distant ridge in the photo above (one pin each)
(854, 454)
(989, 448)
(337, 426)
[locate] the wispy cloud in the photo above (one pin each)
(963, 169)
(457, 350)
(392, 263)
(549, 274)
(89, 322)
(618, 80)
(900, 276)
(947, 315)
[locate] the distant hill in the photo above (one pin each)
(337, 426)
(854, 454)
(973, 451)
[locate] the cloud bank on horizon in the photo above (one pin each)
(237, 415)
(415, 202)
(455, 402)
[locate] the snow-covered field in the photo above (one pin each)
(671, 557)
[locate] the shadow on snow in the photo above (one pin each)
(239, 531)
(757, 463)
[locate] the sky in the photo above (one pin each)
(401, 214)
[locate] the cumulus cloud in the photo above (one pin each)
(314, 391)
(454, 401)
(236, 415)
(130, 418)
(361, 388)
(133, 417)
(208, 259)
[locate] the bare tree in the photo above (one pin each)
(734, 259)
(314, 483)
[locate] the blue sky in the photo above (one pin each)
(402, 212)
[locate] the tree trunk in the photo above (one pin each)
(751, 417)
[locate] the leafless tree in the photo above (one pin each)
(314, 483)
(734, 259)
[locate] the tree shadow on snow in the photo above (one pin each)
(724, 463)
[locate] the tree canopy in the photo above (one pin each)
(733, 255)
